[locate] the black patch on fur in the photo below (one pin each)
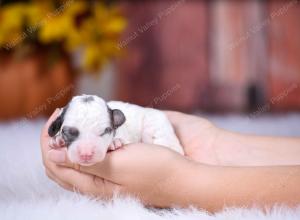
(88, 99)
(69, 134)
(107, 130)
(117, 117)
(57, 123)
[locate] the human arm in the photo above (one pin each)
(206, 143)
(162, 178)
(215, 187)
(253, 150)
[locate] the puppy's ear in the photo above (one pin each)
(118, 118)
(56, 124)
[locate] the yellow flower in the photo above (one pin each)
(92, 58)
(36, 13)
(60, 24)
(73, 8)
(11, 22)
(100, 34)
(115, 25)
(92, 27)
(13, 15)
(109, 47)
(109, 20)
(55, 29)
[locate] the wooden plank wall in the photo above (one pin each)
(212, 55)
(166, 63)
(284, 55)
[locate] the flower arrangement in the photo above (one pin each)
(91, 28)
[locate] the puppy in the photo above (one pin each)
(89, 127)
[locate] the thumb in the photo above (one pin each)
(58, 156)
(105, 169)
(44, 133)
(177, 118)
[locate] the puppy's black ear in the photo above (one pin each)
(118, 118)
(56, 124)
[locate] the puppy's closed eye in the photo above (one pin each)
(69, 134)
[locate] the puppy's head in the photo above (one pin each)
(87, 127)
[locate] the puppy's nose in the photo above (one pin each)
(86, 157)
(86, 154)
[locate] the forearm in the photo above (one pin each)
(234, 149)
(213, 187)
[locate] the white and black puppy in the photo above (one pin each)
(89, 127)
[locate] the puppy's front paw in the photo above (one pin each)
(116, 143)
(57, 142)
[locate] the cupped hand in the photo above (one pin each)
(150, 172)
(197, 135)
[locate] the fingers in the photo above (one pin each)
(50, 120)
(45, 147)
(176, 118)
(59, 157)
(44, 134)
(58, 181)
(84, 183)
(106, 169)
(101, 169)
(74, 180)
(70, 177)
(74, 177)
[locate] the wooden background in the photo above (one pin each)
(189, 55)
(212, 55)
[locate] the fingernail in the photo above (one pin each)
(57, 156)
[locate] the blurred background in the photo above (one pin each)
(188, 55)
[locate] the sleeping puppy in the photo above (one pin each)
(89, 127)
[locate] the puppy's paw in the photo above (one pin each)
(57, 142)
(116, 143)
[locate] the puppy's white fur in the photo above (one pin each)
(145, 125)
(91, 118)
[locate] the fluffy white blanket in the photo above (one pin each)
(26, 193)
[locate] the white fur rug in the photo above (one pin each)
(26, 193)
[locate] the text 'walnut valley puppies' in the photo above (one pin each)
(89, 127)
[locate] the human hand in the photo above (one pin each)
(152, 173)
(197, 135)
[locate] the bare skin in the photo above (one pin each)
(163, 178)
(206, 143)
